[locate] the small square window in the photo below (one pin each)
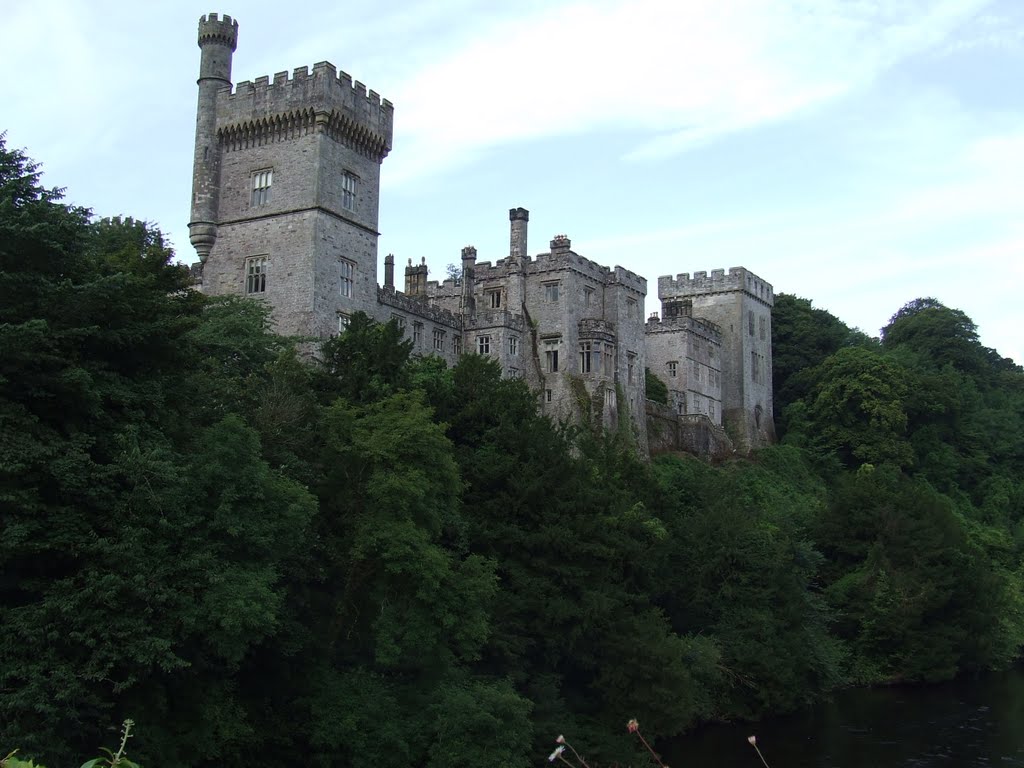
(261, 181)
(551, 292)
(348, 191)
(256, 274)
(348, 271)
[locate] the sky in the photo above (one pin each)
(858, 153)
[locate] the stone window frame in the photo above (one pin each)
(347, 273)
(399, 321)
(344, 320)
(349, 190)
(590, 356)
(417, 332)
(588, 296)
(438, 339)
(513, 346)
(631, 367)
(673, 367)
(631, 308)
(457, 344)
(483, 345)
(493, 296)
(548, 396)
(552, 291)
(260, 183)
(609, 359)
(256, 268)
(551, 347)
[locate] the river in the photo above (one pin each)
(970, 722)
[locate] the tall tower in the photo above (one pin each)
(217, 41)
(740, 304)
(286, 187)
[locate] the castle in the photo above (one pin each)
(285, 209)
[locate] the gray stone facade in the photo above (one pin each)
(285, 210)
(740, 305)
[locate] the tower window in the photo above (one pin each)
(750, 322)
(348, 191)
(348, 272)
(551, 292)
(631, 367)
(585, 347)
(513, 345)
(494, 299)
(551, 356)
(588, 297)
(631, 310)
(438, 339)
(672, 369)
(256, 274)
(261, 181)
(483, 345)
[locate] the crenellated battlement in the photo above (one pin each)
(703, 328)
(630, 280)
(738, 279)
(418, 308)
(323, 100)
(222, 30)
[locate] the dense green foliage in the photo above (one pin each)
(373, 560)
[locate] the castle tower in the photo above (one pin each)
(217, 41)
(740, 304)
(286, 187)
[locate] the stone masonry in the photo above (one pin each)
(285, 210)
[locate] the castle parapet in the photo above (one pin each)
(221, 29)
(738, 279)
(324, 96)
(699, 326)
(418, 308)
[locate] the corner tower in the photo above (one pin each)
(286, 187)
(218, 38)
(740, 304)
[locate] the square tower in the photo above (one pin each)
(740, 305)
(286, 188)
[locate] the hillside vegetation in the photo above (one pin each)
(375, 561)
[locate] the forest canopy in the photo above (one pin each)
(373, 560)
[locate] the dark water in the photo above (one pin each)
(978, 722)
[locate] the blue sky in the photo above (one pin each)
(860, 153)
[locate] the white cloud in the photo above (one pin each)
(685, 72)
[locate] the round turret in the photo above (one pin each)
(218, 38)
(218, 30)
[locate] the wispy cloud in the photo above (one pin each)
(683, 72)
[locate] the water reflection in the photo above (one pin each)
(977, 722)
